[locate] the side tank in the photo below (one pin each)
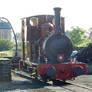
(58, 45)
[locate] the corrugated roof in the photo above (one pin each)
(4, 25)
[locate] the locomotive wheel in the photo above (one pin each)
(63, 80)
(77, 71)
(56, 82)
(44, 78)
(50, 71)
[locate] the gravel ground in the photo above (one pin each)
(19, 84)
(84, 80)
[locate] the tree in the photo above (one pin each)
(90, 36)
(6, 45)
(18, 36)
(77, 35)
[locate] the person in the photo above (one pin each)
(47, 29)
(74, 53)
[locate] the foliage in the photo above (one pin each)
(18, 36)
(6, 53)
(6, 45)
(78, 37)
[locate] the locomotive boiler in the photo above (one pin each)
(48, 48)
(58, 47)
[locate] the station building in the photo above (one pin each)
(5, 31)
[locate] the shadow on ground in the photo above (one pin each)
(21, 84)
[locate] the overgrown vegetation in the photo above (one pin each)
(6, 45)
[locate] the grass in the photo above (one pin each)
(6, 53)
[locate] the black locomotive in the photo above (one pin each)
(47, 49)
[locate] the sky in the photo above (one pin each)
(76, 12)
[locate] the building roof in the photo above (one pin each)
(4, 25)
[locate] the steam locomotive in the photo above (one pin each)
(46, 50)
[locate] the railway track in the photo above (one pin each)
(70, 87)
(27, 76)
(80, 85)
(64, 87)
(75, 87)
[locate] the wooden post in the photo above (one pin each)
(23, 41)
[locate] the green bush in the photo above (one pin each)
(78, 37)
(6, 45)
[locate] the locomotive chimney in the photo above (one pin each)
(57, 20)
